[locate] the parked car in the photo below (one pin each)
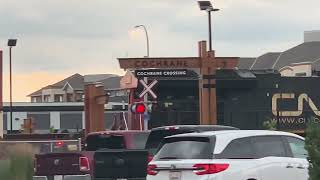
(158, 134)
(81, 165)
(231, 155)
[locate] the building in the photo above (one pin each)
(245, 93)
(60, 106)
(246, 99)
(71, 89)
(301, 60)
(58, 116)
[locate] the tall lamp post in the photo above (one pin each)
(11, 43)
(145, 98)
(147, 37)
(207, 6)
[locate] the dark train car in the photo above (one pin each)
(246, 99)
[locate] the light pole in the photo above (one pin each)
(207, 6)
(147, 37)
(145, 79)
(11, 43)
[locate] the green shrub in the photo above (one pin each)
(17, 162)
(313, 147)
(270, 125)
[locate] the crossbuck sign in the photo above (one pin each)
(148, 88)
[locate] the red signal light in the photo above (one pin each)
(138, 108)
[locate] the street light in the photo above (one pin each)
(147, 37)
(145, 79)
(11, 43)
(207, 6)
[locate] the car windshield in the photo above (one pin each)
(185, 148)
(138, 141)
(104, 141)
(157, 136)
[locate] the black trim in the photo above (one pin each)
(209, 76)
(51, 108)
(209, 86)
(43, 108)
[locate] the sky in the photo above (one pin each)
(57, 38)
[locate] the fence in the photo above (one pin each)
(47, 146)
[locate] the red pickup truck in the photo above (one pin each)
(82, 165)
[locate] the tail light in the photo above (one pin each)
(202, 169)
(59, 144)
(84, 164)
(151, 170)
(150, 157)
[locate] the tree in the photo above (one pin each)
(313, 147)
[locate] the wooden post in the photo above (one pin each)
(1, 97)
(209, 64)
(94, 108)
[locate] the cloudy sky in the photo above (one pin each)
(57, 38)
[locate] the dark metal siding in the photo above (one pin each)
(41, 120)
(248, 108)
(71, 120)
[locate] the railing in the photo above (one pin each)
(46, 146)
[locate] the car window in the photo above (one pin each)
(157, 136)
(139, 140)
(266, 146)
(238, 149)
(185, 148)
(104, 141)
(297, 147)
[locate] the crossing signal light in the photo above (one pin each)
(138, 108)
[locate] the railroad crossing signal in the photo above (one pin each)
(138, 108)
(148, 88)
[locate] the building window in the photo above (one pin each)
(301, 74)
(120, 93)
(69, 97)
(71, 121)
(36, 99)
(41, 120)
(58, 98)
(79, 97)
(46, 98)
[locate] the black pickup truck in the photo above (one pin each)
(107, 155)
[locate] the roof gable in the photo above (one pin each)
(305, 52)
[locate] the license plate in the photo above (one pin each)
(175, 175)
(58, 177)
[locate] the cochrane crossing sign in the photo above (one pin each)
(162, 73)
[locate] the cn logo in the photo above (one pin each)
(301, 99)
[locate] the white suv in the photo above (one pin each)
(231, 155)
